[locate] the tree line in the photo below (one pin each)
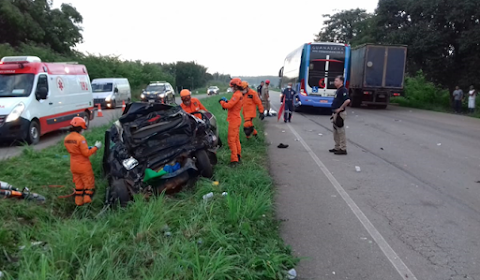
(443, 37)
(33, 27)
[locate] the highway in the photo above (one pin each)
(8, 150)
(411, 212)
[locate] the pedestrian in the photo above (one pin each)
(250, 103)
(339, 105)
(234, 106)
(266, 97)
(80, 165)
(190, 104)
(472, 94)
(458, 98)
(259, 89)
(288, 94)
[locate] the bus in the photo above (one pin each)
(312, 69)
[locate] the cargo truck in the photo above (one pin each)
(377, 73)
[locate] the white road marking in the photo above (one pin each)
(392, 256)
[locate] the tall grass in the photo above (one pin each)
(174, 237)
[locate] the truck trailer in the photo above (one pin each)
(377, 73)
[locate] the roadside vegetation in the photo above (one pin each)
(172, 237)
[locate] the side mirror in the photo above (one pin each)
(115, 90)
(42, 93)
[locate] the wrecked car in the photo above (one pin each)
(155, 148)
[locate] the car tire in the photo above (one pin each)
(119, 194)
(203, 164)
(114, 104)
(33, 133)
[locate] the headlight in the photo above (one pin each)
(108, 98)
(142, 95)
(16, 112)
(162, 95)
(130, 163)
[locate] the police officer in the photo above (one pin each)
(339, 104)
(288, 94)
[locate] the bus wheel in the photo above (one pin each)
(33, 133)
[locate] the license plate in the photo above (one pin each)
(151, 101)
(323, 101)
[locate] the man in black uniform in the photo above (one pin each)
(259, 89)
(339, 104)
(288, 94)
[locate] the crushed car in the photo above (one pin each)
(155, 148)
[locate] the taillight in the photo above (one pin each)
(366, 92)
(302, 88)
(396, 94)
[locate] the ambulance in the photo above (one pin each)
(37, 97)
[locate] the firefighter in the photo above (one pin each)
(288, 94)
(250, 103)
(190, 104)
(80, 165)
(234, 106)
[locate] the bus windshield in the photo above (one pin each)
(16, 85)
(326, 63)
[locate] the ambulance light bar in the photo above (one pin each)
(20, 59)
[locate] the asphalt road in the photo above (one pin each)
(413, 210)
(8, 150)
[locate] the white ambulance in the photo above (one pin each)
(37, 97)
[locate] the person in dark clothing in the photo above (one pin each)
(259, 89)
(339, 104)
(288, 94)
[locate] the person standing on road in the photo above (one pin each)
(266, 97)
(458, 97)
(250, 103)
(259, 89)
(190, 104)
(80, 165)
(339, 105)
(472, 94)
(234, 106)
(288, 94)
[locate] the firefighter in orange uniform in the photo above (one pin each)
(250, 103)
(80, 165)
(234, 106)
(190, 104)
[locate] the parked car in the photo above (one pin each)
(213, 90)
(111, 92)
(154, 148)
(229, 90)
(158, 92)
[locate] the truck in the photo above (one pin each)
(377, 73)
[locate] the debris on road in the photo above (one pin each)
(381, 149)
(282, 146)
(357, 168)
(320, 134)
(292, 274)
(439, 144)
(283, 130)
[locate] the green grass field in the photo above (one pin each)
(181, 237)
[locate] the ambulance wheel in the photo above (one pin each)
(86, 118)
(33, 133)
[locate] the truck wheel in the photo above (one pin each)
(33, 133)
(203, 164)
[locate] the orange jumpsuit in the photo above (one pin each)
(234, 106)
(81, 167)
(250, 111)
(195, 106)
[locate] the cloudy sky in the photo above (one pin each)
(244, 38)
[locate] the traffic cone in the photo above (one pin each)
(123, 105)
(99, 112)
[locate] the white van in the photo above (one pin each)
(37, 97)
(110, 92)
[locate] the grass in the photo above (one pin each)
(180, 237)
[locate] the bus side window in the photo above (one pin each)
(42, 87)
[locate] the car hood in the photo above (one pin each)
(8, 103)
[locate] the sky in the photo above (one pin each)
(240, 38)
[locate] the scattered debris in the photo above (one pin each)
(200, 241)
(357, 168)
(216, 183)
(292, 274)
(333, 272)
(36, 243)
(439, 144)
(282, 146)
(283, 130)
(265, 134)
(208, 195)
(363, 238)
(310, 130)
(381, 149)
(320, 134)
(224, 194)
(478, 182)
(168, 233)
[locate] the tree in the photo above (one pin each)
(343, 26)
(33, 21)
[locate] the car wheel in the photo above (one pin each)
(119, 194)
(203, 164)
(33, 133)
(114, 104)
